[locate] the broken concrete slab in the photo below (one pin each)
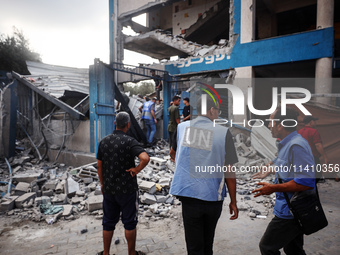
(60, 187)
(170, 45)
(149, 187)
(95, 203)
(21, 160)
(42, 200)
(67, 210)
(8, 204)
(72, 185)
(21, 188)
(48, 193)
(161, 199)
(50, 185)
(59, 199)
(164, 182)
(28, 176)
(77, 200)
(22, 199)
(148, 199)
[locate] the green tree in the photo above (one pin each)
(14, 51)
(141, 88)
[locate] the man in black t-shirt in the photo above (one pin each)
(117, 174)
(187, 110)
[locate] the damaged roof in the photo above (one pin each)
(55, 80)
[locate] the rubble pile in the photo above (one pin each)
(47, 191)
(40, 191)
(257, 207)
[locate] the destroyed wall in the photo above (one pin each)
(8, 120)
(50, 192)
(186, 13)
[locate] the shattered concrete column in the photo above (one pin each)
(323, 68)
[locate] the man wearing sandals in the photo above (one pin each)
(117, 174)
(294, 154)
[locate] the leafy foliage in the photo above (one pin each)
(141, 88)
(14, 51)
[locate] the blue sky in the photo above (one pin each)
(64, 32)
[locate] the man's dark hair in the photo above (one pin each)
(175, 98)
(186, 99)
(147, 98)
(152, 71)
(210, 103)
(291, 113)
(122, 119)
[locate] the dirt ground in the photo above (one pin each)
(163, 236)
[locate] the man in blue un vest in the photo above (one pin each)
(203, 153)
(149, 117)
(294, 154)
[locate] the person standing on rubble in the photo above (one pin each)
(149, 117)
(283, 231)
(199, 146)
(117, 174)
(158, 83)
(314, 139)
(174, 117)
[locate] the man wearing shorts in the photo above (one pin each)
(117, 174)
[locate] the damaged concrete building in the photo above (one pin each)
(237, 41)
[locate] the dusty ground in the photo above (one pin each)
(162, 237)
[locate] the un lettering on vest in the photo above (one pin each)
(198, 138)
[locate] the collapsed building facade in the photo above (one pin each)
(242, 42)
(229, 40)
(65, 112)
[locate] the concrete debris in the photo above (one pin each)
(95, 203)
(77, 190)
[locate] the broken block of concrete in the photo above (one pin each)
(169, 200)
(8, 204)
(149, 187)
(92, 186)
(80, 193)
(95, 203)
(67, 210)
(60, 187)
(28, 176)
(164, 182)
(157, 163)
(59, 199)
(161, 199)
(42, 200)
(77, 200)
(48, 193)
(148, 199)
(87, 180)
(22, 199)
(17, 169)
(72, 185)
(90, 172)
(50, 185)
(21, 188)
(21, 161)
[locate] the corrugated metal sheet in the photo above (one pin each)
(54, 80)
